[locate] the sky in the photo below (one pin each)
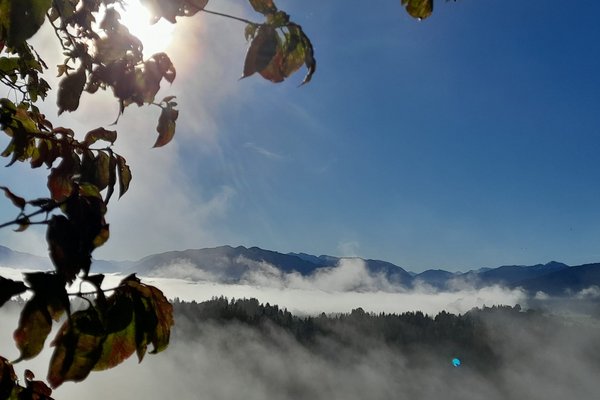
(466, 140)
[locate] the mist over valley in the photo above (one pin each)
(256, 324)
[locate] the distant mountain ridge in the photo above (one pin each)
(229, 264)
(16, 259)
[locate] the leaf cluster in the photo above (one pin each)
(10, 389)
(101, 336)
(278, 47)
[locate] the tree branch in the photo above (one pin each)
(230, 16)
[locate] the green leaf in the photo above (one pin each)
(78, 348)
(69, 91)
(20, 20)
(261, 51)
(9, 64)
(16, 200)
(34, 327)
(419, 9)
(166, 126)
(263, 6)
(10, 288)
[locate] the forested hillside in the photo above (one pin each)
(422, 339)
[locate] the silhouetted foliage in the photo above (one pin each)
(101, 54)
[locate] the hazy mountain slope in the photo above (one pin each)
(437, 278)
(16, 259)
(510, 275)
(229, 264)
(225, 262)
(564, 281)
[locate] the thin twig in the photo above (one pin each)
(229, 16)
(19, 220)
(79, 294)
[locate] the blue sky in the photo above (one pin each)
(469, 139)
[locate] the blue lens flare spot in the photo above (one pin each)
(456, 362)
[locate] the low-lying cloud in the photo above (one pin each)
(556, 359)
(331, 290)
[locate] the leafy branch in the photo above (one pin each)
(101, 54)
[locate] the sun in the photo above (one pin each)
(155, 38)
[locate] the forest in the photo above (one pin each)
(241, 348)
(471, 337)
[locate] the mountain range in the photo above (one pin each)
(228, 264)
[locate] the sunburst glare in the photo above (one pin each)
(155, 38)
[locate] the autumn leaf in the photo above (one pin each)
(59, 184)
(153, 315)
(48, 304)
(63, 242)
(250, 31)
(261, 51)
(49, 287)
(112, 177)
(69, 91)
(294, 51)
(99, 134)
(120, 341)
(166, 125)
(78, 347)
(10, 288)
(16, 200)
(420, 9)
(101, 170)
(34, 327)
(102, 236)
(263, 6)
(60, 180)
(8, 381)
(191, 7)
(35, 390)
(124, 175)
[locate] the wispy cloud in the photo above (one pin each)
(263, 151)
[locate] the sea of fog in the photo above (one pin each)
(233, 361)
(333, 290)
